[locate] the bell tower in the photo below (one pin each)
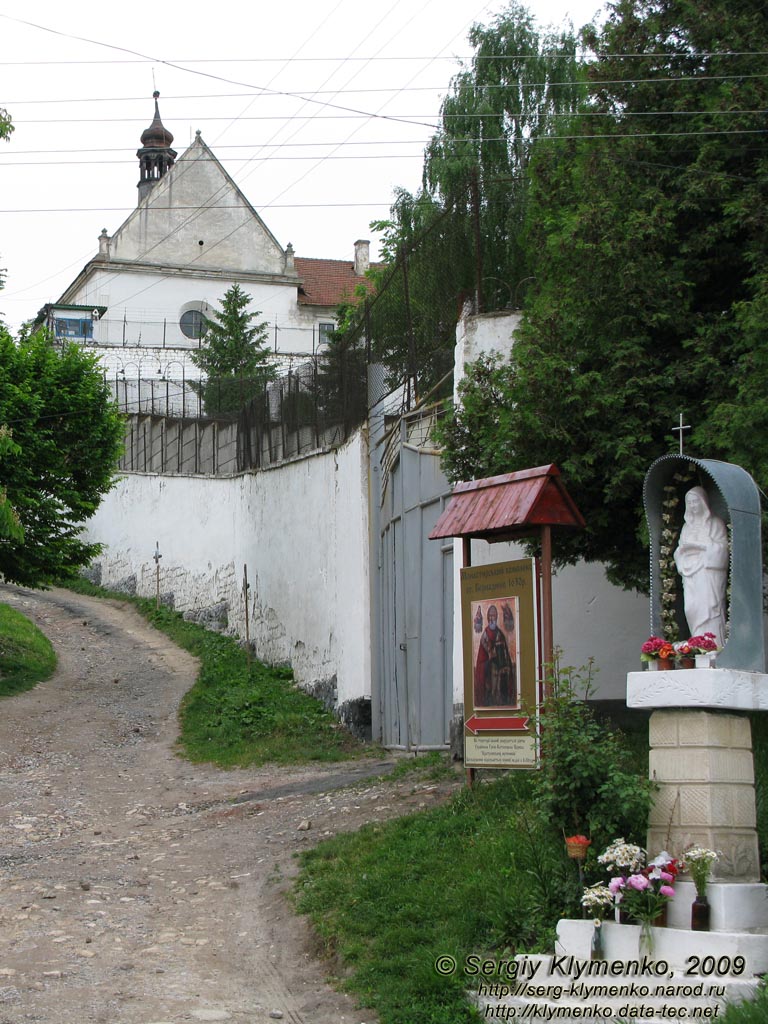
(155, 156)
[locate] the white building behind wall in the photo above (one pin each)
(140, 303)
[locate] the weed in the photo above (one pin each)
(26, 656)
(755, 1012)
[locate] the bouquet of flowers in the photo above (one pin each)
(655, 649)
(705, 644)
(597, 899)
(698, 863)
(624, 857)
(641, 892)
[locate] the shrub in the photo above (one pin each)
(589, 780)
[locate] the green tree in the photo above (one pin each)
(646, 235)
(233, 356)
(10, 527)
(5, 133)
(5, 124)
(70, 436)
(460, 236)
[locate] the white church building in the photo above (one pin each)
(140, 302)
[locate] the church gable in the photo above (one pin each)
(196, 217)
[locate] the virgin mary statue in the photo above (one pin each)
(701, 558)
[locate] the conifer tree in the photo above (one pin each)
(233, 356)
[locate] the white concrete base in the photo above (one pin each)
(734, 906)
(677, 946)
(712, 688)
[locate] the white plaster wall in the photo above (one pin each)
(144, 306)
(591, 617)
(302, 530)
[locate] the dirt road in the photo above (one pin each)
(136, 888)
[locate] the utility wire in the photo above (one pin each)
(470, 58)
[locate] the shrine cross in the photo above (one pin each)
(679, 430)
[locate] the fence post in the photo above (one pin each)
(247, 624)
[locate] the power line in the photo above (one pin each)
(244, 206)
(479, 58)
(730, 113)
(240, 159)
(272, 203)
(205, 74)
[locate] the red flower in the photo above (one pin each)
(580, 840)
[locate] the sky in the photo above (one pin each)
(319, 110)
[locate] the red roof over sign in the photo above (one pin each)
(328, 282)
(508, 506)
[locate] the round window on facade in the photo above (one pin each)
(192, 323)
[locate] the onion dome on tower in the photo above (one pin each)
(155, 156)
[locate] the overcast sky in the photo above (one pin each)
(318, 110)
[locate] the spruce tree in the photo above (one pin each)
(234, 356)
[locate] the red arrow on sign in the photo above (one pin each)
(475, 724)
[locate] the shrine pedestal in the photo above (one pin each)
(702, 764)
(701, 760)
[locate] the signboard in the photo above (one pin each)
(498, 615)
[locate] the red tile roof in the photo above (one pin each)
(328, 282)
(502, 507)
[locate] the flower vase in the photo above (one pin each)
(700, 914)
(597, 951)
(665, 664)
(687, 663)
(645, 944)
(705, 661)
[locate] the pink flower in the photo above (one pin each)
(616, 884)
(667, 890)
(652, 645)
(666, 877)
(638, 882)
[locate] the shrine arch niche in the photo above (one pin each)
(734, 497)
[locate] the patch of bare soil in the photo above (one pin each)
(136, 888)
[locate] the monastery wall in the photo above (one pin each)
(302, 530)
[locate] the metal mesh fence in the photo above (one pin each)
(225, 427)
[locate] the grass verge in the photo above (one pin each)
(26, 656)
(754, 1012)
(482, 872)
(239, 714)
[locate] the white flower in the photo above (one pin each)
(627, 856)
